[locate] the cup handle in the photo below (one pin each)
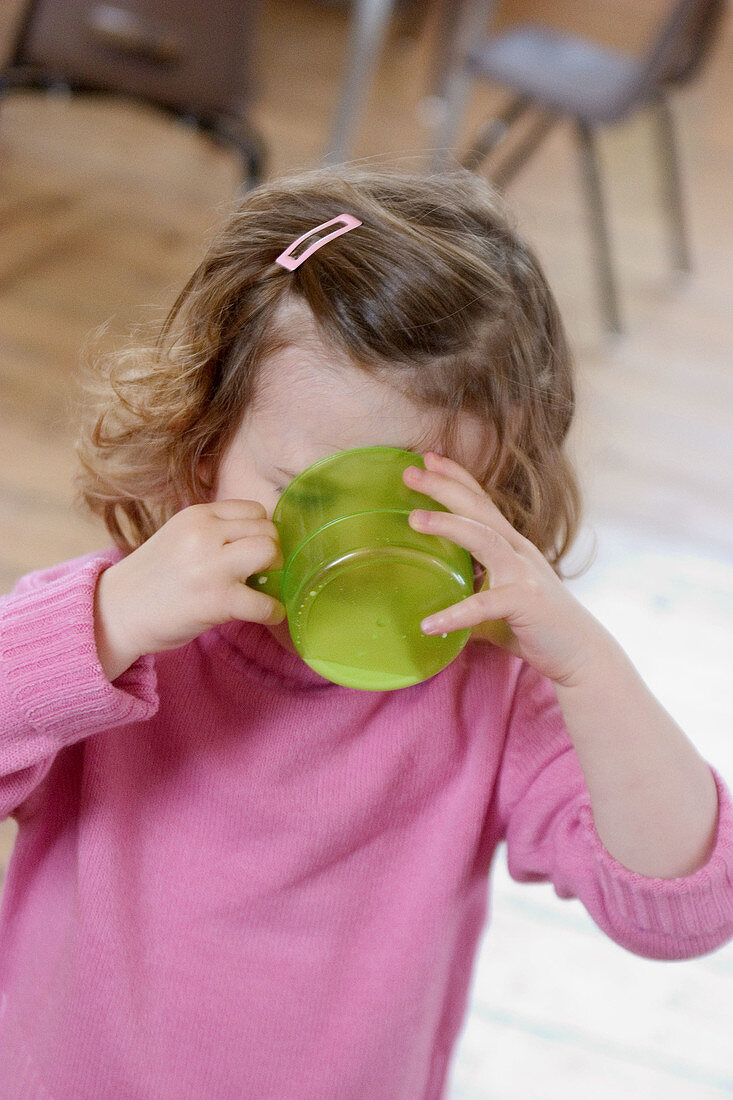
(268, 581)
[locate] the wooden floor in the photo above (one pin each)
(105, 207)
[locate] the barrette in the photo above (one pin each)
(290, 261)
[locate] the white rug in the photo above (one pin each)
(558, 1011)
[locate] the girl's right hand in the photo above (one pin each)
(188, 577)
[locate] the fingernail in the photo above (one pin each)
(419, 517)
(430, 626)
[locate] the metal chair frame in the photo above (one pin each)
(231, 131)
(675, 55)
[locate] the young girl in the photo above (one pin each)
(233, 878)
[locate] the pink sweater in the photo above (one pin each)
(235, 880)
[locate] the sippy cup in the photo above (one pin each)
(357, 579)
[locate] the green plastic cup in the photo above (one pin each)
(357, 579)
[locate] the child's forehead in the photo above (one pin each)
(320, 394)
(299, 367)
(308, 398)
(309, 390)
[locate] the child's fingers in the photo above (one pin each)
(487, 545)
(237, 509)
(245, 556)
(442, 464)
(465, 501)
(489, 605)
(234, 530)
(255, 607)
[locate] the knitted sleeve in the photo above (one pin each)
(547, 822)
(53, 691)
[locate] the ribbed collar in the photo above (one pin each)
(255, 645)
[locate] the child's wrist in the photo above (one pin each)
(115, 650)
(604, 673)
(598, 654)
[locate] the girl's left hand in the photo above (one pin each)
(549, 628)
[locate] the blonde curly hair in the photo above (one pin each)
(436, 293)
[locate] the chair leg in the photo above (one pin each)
(672, 186)
(598, 226)
(366, 36)
(236, 133)
(519, 156)
(493, 132)
(460, 28)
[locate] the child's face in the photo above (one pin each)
(312, 404)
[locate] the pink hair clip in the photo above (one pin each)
(288, 260)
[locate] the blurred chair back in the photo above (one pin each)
(684, 40)
(192, 58)
(557, 75)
